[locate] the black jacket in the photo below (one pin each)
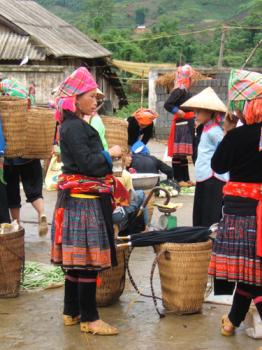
(134, 132)
(81, 148)
(239, 154)
(150, 164)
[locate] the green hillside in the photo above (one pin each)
(113, 24)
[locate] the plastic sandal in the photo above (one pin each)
(225, 323)
(100, 328)
(71, 321)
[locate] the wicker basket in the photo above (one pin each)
(116, 132)
(13, 112)
(11, 263)
(183, 275)
(112, 282)
(40, 131)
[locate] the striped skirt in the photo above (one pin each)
(183, 140)
(85, 243)
(234, 251)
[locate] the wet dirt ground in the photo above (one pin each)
(33, 321)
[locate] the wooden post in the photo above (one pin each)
(252, 53)
(222, 46)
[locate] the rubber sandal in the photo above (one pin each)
(101, 328)
(225, 322)
(71, 321)
(183, 184)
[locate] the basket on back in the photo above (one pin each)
(11, 263)
(40, 129)
(112, 281)
(13, 112)
(116, 132)
(183, 275)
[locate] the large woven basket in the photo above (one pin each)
(116, 132)
(40, 129)
(11, 263)
(183, 275)
(112, 281)
(14, 112)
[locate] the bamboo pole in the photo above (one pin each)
(252, 53)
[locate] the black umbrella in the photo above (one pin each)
(183, 234)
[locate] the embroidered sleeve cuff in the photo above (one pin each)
(175, 109)
(108, 158)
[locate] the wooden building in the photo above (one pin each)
(53, 49)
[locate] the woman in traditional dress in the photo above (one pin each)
(237, 251)
(208, 194)
(180, 142)
(82, 231)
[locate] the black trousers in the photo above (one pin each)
(32, 179)
(208, 202)
(80, 295)
(4, 212)
(180, 168)
(243, 296)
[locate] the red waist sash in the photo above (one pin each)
(252, 191)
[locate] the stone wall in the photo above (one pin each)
(162, 125)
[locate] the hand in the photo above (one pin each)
(115, 151)
(180, 113)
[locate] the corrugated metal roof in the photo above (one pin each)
(16, 47)
(56, 36)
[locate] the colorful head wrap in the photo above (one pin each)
(145, 116)
(79, 82)
(243, 87)
(183, 77)
(12, 87)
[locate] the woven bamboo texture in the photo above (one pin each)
(13, 113)
(183, 275)
(11, 263)
(116, 132)
(150, 206)
(40, 129)
(112, 281)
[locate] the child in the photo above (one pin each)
(208, 195)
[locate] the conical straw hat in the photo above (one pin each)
(206, 99)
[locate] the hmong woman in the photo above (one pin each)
(237, 251)
(208, 194)
(82, 231)
(141, 126)
(182, 129)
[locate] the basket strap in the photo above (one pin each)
(155, 298)
(132, 279)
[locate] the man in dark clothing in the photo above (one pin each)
(148, 164)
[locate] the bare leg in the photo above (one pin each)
(38, 204)
(39, 207)
(15, 214)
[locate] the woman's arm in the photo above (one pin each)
(89, 162)
(133, 131)
(172, 104)
(222, 158)
(147, 133)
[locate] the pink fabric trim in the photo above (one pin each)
(243, 293)
(71, 278)
(258, 300)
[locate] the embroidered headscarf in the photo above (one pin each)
(145, 116)
(245, 94)
(183, 77)
(79, 82)
(244, 87)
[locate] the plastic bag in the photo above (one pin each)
(54, 170)
(253, 324)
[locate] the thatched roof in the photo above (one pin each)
(47, 32)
